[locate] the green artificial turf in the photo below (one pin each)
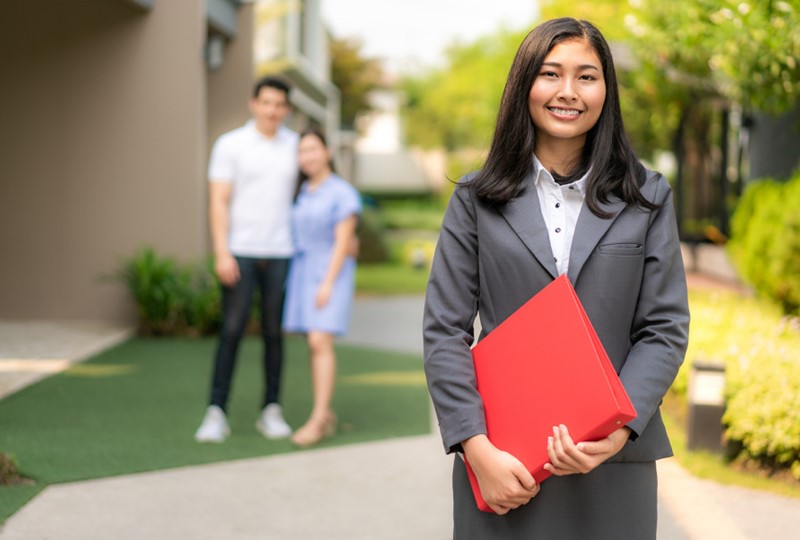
(135, 408)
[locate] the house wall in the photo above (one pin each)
(228, 91)
(103, 144)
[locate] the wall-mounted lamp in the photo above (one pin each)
(215, 51)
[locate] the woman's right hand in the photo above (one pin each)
(504, 481)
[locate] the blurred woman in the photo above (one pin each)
(321, 280)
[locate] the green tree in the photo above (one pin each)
(455, 106)
(607, 15)
(699, 59)
(743, 51)
(355, 76)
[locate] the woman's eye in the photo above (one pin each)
(547, 74)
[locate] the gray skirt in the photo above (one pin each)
(614, 501)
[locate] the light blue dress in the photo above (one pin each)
(315, 215)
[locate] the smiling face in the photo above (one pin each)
(567, 95)
(314, 157)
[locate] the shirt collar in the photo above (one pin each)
(280, 134)
(541, 174)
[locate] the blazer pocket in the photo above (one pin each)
(621, 249)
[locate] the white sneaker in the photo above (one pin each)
(271, 423)
(214, 428)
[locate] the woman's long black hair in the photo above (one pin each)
(614, 166)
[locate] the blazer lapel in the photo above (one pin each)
(524, 215)
(588, 232)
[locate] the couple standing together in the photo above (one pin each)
(282, 222)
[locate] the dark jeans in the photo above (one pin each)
(269, 275)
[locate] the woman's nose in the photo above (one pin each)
(567, 90)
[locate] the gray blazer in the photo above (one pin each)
(626, 270)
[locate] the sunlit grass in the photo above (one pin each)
(390, 279)
(413, 214)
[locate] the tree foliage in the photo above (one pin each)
(355, 76)
(745, 51)
(455, 106)
(672, 58)
(607, 15)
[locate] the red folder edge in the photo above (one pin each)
(625, 410)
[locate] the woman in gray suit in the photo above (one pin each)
(561, 192)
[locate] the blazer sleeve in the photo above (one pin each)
(451, 304)
(660, 330)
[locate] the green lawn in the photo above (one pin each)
(413, 214)
(135, 408)
(390, 278)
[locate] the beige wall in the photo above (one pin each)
(103, 145)
(230, 87)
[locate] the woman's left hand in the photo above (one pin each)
(566, 457)
(323, 295)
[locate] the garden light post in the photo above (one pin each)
(706, 406)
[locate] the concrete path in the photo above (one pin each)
(370, 491)
(390, 489)
(32, 350)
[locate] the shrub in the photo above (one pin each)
(759, 348)
(159, 289)
(9, 473)
(763, 408)
(171, 298)
(373, 246)
(765, 240)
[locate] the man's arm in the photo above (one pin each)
(219, 198)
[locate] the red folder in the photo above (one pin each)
(541, 367)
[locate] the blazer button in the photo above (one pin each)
(558, 229)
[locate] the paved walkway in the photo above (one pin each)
(382, 490)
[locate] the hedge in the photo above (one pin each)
(759, 347)
(765, 240)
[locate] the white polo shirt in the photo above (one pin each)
(263, 172)
(560, 207)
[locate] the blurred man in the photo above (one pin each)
(252, 175)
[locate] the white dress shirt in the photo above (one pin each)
(560, 207)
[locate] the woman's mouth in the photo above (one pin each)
(564, 112)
